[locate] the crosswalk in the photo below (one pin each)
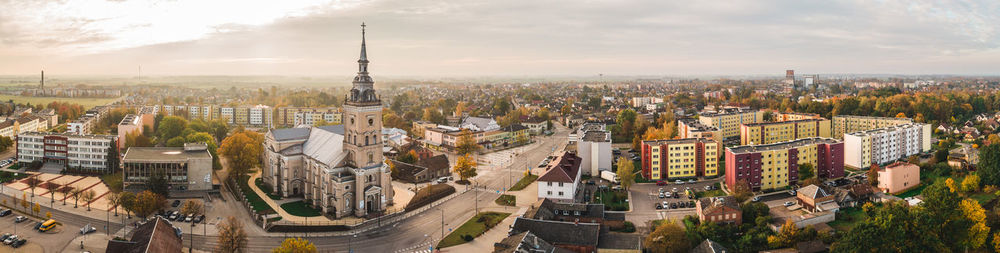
(419, 248)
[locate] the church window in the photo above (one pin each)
(371, 122)
(370, 157)
(366, 140)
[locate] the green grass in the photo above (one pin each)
(6, 176)
(266, 189)
(475, 227)
(983, 197)
(256, 202)
(506, 200)
(847, 218)
(912, 192)
(524, 182)
(712, 193)
(612, 200)
(85, 102)
(299, 208)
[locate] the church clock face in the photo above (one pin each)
(371, 122)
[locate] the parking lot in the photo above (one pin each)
(646, 196)
(54, 240)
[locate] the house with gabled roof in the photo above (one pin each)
(814, 199)
(561, 180)
(723, 209)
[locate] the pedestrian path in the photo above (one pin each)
(484, 243)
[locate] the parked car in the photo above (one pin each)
(591, 182)
(680, 204)
(20, 219)
(199, 219)
(38, 225)
(660, 183)
(6, 235)
(659, 206)
(789, 203)
(176, 203)
(5, 212)
(661, 190)
(690, 181)
(172, 215)
(667, 194)
(791, 192)
(674, 190)
(87, 229)
(189, 218)
(19, 243)
(756, 198)
(666, 203)
(677, 195)
(10, 239)
(617, 187)
(442, 180)
(679, 182)
(662, 195)
(708, 187)
(673, 205)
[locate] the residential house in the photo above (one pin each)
(719, 210)
(574, 236)
(814, 199)
(898, 177)
(425, 170)
(561, 180)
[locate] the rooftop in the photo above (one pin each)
(171, 154)
(783, 122)
(558, 232)
(886, 129)
(676, 141)
(782, 145)
(697, 125)
(870, 117)
(728, 111)
(597, 136)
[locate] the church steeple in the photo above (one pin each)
(363, 90)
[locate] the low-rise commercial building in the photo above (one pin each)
(898, 177)
(885, 145)
(728, 122)
(680, 158)
(772, 166)
(187, 168)
(844, 124)
(96, 153)
(814, 199)
(561, 180)
(780, 131)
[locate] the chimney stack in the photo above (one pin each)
(42, 83)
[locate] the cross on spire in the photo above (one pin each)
(364, 54)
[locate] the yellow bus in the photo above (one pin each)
(49, 224)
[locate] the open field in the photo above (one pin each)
(86, 102)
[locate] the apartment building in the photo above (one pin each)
(130, 124)
(692, 128)
(88, 152)
(187, 168)
(643, 101)
(313, 117)
(84, 124)
(728, 122)
(844, 124)
(594, 146)
(789, 116)
(773, 166)
(885, 145)
(780, 131)
(680, 158)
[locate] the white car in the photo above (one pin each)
(789, 203)
(10, 239)
(87, 229)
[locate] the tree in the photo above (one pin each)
(76, 196)
(626, 172)
(192, 207)
(65, 190)
(951, 185)
(158, 183)
(295, 245)
(741, 191)
(176, 142)
(466, 143)
(978, 232)
(410, 157)
(785, 237)
(87, 197)
(37, 208)
(806, 171)
(668, 237)
(127, 201)
(170, 127)
(970, 183)
(5, 143)
(232, 237)
(147, 203)
(114, 199)
(873, 175)
(33, 183)
(48, 215)
(625, 121)
(989, 164)
(465, 166)
(242, 150)
(941, 155)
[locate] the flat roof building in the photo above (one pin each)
(774, 132)
(680, 158)
(186, 168)
(776, 165)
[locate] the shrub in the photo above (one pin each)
(467, 238)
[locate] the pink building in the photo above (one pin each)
(898, 177)
(131, 123)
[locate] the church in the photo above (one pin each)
(339, 168)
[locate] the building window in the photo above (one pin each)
(560, 193)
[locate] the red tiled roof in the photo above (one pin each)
(564, 171)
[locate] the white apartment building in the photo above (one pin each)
(314, 117)
(89, 152)
(227, 114)
(257, 115)
(594, 147)
(643, 101)
(885, 145)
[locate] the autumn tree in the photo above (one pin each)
(667, 237)
(114, 199)
(66, 191)
(87, 197)
(242, 150)
(465, 166)
(466, 143)
(127, 201)
(626, 173)
(232, 237)
(75, 193)
(873, 175)
(170, 127)
(295, 245)
(192, 207)
(146, 203)
(978, 231)
(33, 183)
(970, 183)
(5, 143)
(741, 191)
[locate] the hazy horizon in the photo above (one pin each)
(499, 39)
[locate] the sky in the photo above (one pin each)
(499, 38)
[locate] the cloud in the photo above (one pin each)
(483, 37)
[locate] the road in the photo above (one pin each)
(421, 231)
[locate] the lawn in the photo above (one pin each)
(473, 228)
(256, 202)
(299, 208)
(612, 200)
(267, 189)
(506, 200)
(712, 193)
(524, 182)
(912, 192)
(847, 218)
(85, 102)
(983, 197)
